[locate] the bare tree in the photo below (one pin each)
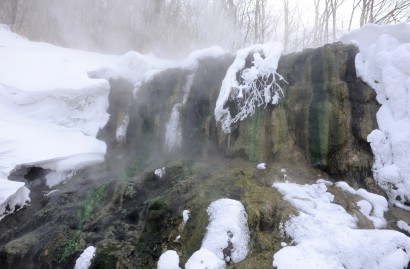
(384, 11)
(335, 5)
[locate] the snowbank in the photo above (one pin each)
(266, 58)
(84, 261)
(325, 235)
(50, 111)
(384, 64)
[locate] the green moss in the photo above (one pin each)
(136, 167)
(70, 246)
(71, 242)
(255, 136)
(104, 258)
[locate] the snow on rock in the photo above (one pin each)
(325, 235)
(266, 58)
(261, 166)
(403, 225)
(373, 206)
(132, 66)
(205, 259)
(227, 236)
(54, 178)
(50, 110)
(227, 225)
(160, 172)
(13, 195)
(191, 62)
(185, 216)
(384, 64)
(169, 260)
(84, 261)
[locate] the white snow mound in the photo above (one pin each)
(169, 260)
(384, 64)
(84, 261)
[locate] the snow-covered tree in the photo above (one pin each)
(250, 82)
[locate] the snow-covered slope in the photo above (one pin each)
(384, 64)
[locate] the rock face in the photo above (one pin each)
(132, 216)
(324, 117)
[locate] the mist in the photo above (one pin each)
(173, 28)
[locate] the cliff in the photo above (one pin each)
(318, 130)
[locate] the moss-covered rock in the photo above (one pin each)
(132, 216)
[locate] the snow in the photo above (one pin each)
(50, 111)
(261, 166)
(191, 62)
(247, 93)
(169, 260)
(160, 172)
(403, 225)
(54, 100)
(205, 259)
(185, 216)
(13, 195)
(132, 66)
(373, 206)
(384, 64)
(227, 228)
(84, 261)
(326, 236)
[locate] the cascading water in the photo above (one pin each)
(173, 128)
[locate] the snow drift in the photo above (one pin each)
(384, 64)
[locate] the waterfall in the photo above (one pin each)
(173, 128)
